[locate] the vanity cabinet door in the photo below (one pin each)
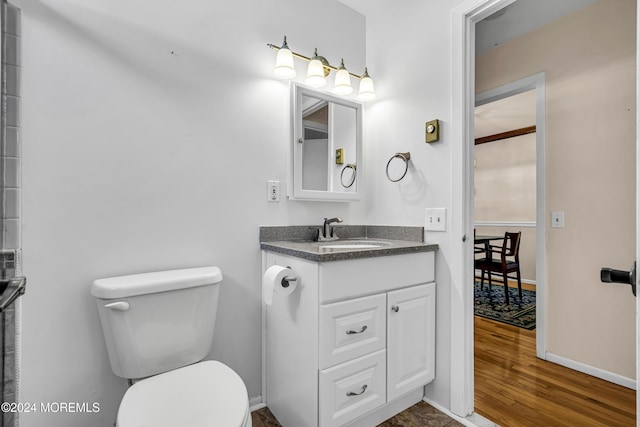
(351, 329)
(410, 339)
(352, 389)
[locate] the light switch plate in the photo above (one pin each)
(435, 219)
(557, 219)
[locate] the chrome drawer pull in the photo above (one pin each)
(351, 332)
(350, 393)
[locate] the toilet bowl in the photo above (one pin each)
(158, 328)
(203, 394)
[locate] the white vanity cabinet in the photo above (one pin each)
(387, 341)
(354, 344)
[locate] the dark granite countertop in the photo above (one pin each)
(295, 241)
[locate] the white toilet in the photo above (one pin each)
(157, 328)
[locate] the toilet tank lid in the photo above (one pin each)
(159, 281)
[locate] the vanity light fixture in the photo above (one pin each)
(366, 92)
(284, 62)
(318, 70)
(343, 81)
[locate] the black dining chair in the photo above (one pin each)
(477, 249)
(508, 263)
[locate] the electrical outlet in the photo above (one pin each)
(273, 191)
(435, 219)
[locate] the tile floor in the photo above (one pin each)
(419, 415)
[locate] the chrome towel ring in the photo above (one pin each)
(405, 158)
(350, 180)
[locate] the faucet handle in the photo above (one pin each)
(318, 233)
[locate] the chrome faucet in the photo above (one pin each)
(328, 233)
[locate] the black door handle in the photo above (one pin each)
(610, 275)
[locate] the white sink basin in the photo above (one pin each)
(353, 244)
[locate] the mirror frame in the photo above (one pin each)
(295, 169)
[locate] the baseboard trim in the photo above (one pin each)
(256, 403)
(473, 420)
(512, 283)
(590, 370)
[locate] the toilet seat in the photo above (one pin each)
(203, 394)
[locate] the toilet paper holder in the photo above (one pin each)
(286, 279)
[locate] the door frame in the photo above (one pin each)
(463, 20)
(537, 83)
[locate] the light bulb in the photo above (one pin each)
(366, 92)
(343, 81)
(284, 62)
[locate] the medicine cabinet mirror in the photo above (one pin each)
(327, 146)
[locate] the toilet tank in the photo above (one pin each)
(156, 322)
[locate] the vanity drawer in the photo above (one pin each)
(341, 280)
(352, 389)
(351, 329)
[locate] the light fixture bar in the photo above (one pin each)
(306, 58)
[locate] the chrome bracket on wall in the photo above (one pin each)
(11, 287)
(7, 263)
(11, 290)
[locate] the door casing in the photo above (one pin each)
(464, 17)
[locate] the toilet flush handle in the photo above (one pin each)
(118, 306)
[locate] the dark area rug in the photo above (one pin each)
(492, 306)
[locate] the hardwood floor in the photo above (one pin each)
(514, 388)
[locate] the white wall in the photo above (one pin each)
(505, 191)
(150, 131)
(505, 180)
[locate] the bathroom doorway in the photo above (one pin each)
(508, 160)
(573, 238)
